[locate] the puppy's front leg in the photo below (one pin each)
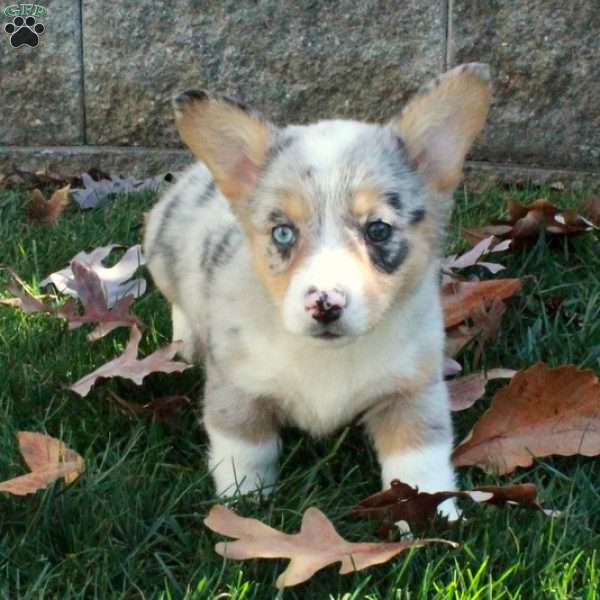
(244, 443)
(413, 438)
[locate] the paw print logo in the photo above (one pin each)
(24, 31)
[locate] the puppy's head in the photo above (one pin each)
(344, 217)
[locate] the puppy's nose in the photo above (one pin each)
(325, 306)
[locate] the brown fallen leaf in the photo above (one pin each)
(542, 412)
(315, 547)
(130, 367)
(45, 178)
(402, 502)
(89, 289)
(591, 210)
(49, 460)
(486, 319)
(525, 222)
(165, 409)
(47, 212)
(460, 298)
(466, 390)
(23, 299)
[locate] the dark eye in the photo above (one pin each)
(378, 232)
(284, 235)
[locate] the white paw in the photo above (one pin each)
(230, 484)
(239, 467)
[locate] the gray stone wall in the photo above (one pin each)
(96, 90)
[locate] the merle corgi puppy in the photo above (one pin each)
(302, 266)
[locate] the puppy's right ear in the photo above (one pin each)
(231, 140)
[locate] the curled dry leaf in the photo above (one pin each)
(165, 409)
(591, 210)
(315, 547)
(474, 255)
(98, 192)
(116, 281)
(525, 223)
(23, 300)
(486, 319)
(466, 390)
(45, 178)
(89, 289)
(402, 502)
(542, 412)
(460, 298)
(49, 460)
(130, 367)
(47, 212)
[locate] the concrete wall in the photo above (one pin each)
(96, 90)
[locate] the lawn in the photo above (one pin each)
(131, 526)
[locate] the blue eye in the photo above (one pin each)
(378, 231)
(284, 235)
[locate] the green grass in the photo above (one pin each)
(131, 526)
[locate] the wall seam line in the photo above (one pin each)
(449, 34)
(82, 77)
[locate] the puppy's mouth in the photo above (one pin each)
(327, 335)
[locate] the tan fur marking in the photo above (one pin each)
(277, 284)
(402, 421)
(440, 123)
(295, 207)
(364, 202)
(231, 142)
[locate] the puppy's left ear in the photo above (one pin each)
(232, 140)
(441, 122)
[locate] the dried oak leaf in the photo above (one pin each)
(128, 366)
(542, 411)
(591, 210)
(466, 390)
(486, 319)
(89, 289)
(49, 460)
(47, 212)
(316, 546)
(116, 281)
(39, 179)
(473, 256)
(22, 298)
(164, 409)
(460, 298)
(526, 221)
(98, 192)
(402, 502)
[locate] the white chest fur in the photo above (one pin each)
(321, 386)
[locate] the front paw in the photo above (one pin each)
(240, 467)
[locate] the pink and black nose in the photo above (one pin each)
(325, 306)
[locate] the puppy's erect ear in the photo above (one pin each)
(440, 123)
(224, 134)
